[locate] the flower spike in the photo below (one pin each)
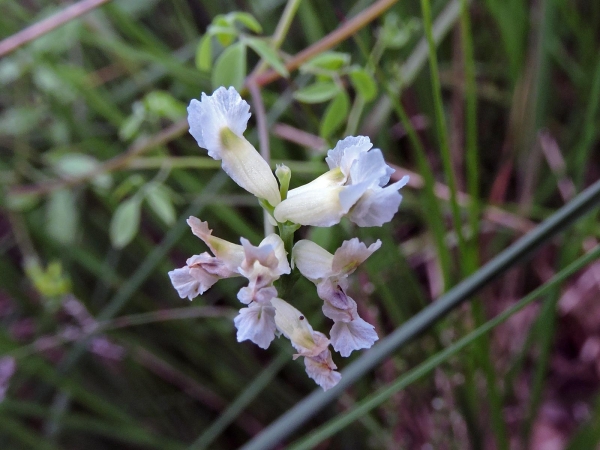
(356, 186)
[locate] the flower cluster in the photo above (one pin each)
(356, 187)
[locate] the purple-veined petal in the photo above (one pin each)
(355, 335)
(257, 324)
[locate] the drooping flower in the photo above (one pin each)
(228, 254)
(198, 275)
(218, 122)
(257, 324)
(353, 187)
(204, 270)
(330, 274)
(311, 344)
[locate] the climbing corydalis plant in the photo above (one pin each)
(356, 187)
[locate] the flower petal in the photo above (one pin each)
(256, 293)
(191, 283)
(321, 370)
(330, 179)
(333, 290)
(319, 208)
(355, 335)
(293, 325)
(232, 255)
(351, 254)
(378, 205)
(257, 324)
(264, 255)
(224, 108)
(247, 167)
(346, 152)
(211, 265)
(312, 260)
(371, 167)
(273, 240)
(345, 314)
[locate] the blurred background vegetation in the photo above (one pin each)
(491, 106)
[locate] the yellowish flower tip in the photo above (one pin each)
(228, 139)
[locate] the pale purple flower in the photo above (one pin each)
(330, 275)
(257, 324)
(311, 344)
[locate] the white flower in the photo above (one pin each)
(353, 187)
(262, 265)
(218, 122)
(257, 324)
(198, 275)
(330, 274)
(296, 328)
(311, 344)
(320, 266)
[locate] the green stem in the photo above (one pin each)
(441, 127)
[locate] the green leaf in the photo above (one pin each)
(223, 20)
(318, 92)
(61, 216)
(364, 83)
(224, 34)
(204, 53)
(125, 222)
(159, 199)
(78, 164)
(335, 114)
(247, 20)
(127, 185)
(163, 104)
(132, 124)
(230, 68)
(327, 61)
(21, 202)
(268, 54)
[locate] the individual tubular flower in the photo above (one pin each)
(353, 187)
(311, 344)
(228, 254)
(204, 270)
(330, 274)
(218, 122)
(262, 265)
(198, 275)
